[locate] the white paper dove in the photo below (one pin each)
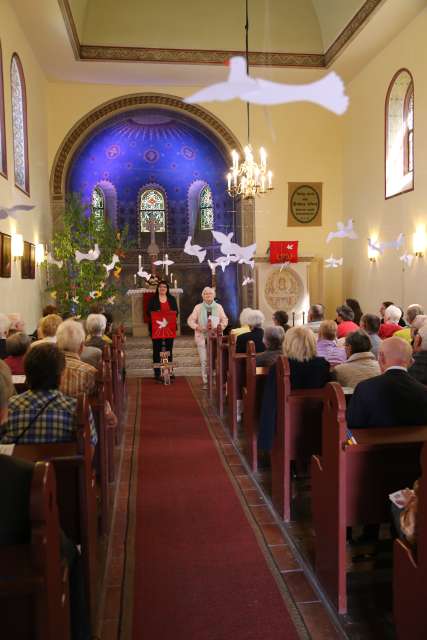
(333, 263)
(327, 92)
(75, 299)
(165, 263)
(5, 212)
(92, 254)
(110, 267)
(143, 274)
(284, 265)
(224, 261)
(213, 265)
(194, 250)
(393, 244)
(51, 260)
(247, 281)
(162, 323)
(111, 300)
(228, 248)
(374, 247)
(407, 259)
(344, 231)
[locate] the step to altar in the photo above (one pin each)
(139, 362)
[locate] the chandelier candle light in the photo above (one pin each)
(250, 178)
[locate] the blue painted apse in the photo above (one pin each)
(155, 146)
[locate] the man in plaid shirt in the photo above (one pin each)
(43, 414)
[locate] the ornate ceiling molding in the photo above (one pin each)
(88, 52)
(90, 121)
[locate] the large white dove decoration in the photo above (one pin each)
(224, 261)
(5, 212)
(327, 92)
(51, 260)
(92, 254)
(228, 248)
(344, 231)
(194, 250)
(143, 274)
(333, 263)
(110, 267)
(247, 281)
(407, 259)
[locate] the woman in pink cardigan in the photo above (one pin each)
(206, 315)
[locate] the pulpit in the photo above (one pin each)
(140, 299)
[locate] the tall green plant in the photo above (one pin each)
(76, 285)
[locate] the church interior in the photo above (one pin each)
(197, 201)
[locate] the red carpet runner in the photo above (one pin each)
(199, 572)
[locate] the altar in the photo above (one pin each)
(140, 298)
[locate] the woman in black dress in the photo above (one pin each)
(161, 301)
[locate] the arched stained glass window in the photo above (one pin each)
(98, 206)
(152, 207)
(206, 209)
(3, 162)
(399, 145)
(19, 122)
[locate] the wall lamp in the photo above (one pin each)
(40, 257)
(17, 246)
(372, 254)
(419, 242)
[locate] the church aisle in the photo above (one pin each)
(194, 566)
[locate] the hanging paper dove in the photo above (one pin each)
(333, 263)
(213, 265)
(110, 267)
(5, 212)
(92, 254)
(244, 254)
(247, 281)
(374, 247)
(51, 260)
(407, 259)
(344, 231)
(284, 265)
(393, 244)
(194, 250)
(111, 300)
(75, 299)
(327, 92)
(165, 263)
(224, 261)
(143, 274)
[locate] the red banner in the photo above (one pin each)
(163, 324)
(283, 251)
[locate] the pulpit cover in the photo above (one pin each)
(163, 324)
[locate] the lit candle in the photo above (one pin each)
(262, 183)
(175, 284)
(139, 262)
(229, 180)
(166, 265)
(270, 179)
(134, 278)
(235, 173)
(170, 276)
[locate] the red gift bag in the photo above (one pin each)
(163, 324)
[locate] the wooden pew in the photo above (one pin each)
(210, 364)
(221, 371)
(109, 397)
(298, 434)
(34, 599)
(410, 573)
(76, 493)
(252, 397)
(351, 485)
(235, 381)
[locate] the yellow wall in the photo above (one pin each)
(306, 146)
(363, 170)
(17, 295)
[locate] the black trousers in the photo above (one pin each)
(165, 344)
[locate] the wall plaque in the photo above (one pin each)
(304, 204)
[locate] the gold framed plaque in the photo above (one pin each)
(305, 204)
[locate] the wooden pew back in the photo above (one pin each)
(34, 599)
(252, 398)
(351, 484)
(221, 371)
(235, 382)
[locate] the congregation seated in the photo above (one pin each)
(43, 414)
(308, 370)
(412, 312)
(6, 379)
(418, 369)
(17, 346)
(281, 319)
(273, 341)
(371, 324)
(393, 398)
(316, 315)
(17, 325)
(78, 376)
(95, 326)
(345, 321)
(255, 320)
(327, 344)
(355, 307)
(392, 315)
(4, 332)
(361, 363)
(243, 320)
(48, 326)
(384, 306)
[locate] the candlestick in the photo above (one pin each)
(175, 284)
(167, 266)
(134, 278)
(139, 262)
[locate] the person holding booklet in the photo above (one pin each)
(163, 302)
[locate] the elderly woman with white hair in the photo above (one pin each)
(255, 320)
(205, 316)
(95, 327)
(392, 315)
(243, 319)
(273, 340)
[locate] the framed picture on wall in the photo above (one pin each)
(5, 255)
(28, 262)
(304, 204)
